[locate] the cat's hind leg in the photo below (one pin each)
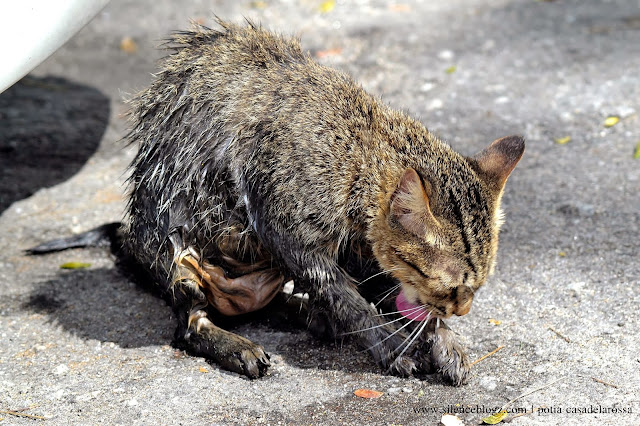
(229, 350)
(251, 291)
(198, 285)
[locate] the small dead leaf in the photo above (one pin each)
(329, 52)
(451, 69)
(636, 153)
(203, 370)
(127, 45)
(494, 321)
(327, 6)
(367, 393)
(611, 121)
(450, 420)
(562, 141)
(258, 4)
(399, 7)
(495, 418)
(75, 265)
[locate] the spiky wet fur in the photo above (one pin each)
(251, 151)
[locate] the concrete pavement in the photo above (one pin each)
(89, 347)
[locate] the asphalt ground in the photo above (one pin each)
(90, 347)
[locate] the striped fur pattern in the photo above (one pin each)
(251, 153)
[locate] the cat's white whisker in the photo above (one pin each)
(394, 288)
(417, 332)
(375, 275)
(390, 335)
(371, 328)
(404, 311)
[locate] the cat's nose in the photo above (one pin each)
(463, 304)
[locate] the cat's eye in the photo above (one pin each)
(414, 266)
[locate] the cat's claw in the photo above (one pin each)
(231, 351)
(243, 357)
(403, 366)
(252, 362)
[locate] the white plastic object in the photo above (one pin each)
(31, 30)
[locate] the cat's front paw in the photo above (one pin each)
(441, 353)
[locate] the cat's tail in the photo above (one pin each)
(107, 235)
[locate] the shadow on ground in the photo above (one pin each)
(49, 127)
(101, 304)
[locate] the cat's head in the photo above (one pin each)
(442, 227)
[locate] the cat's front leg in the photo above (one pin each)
(196, 332)
(437, 349)
(440, 352)
(335, 302)
(335, 296)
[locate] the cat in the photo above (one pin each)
(257, 165)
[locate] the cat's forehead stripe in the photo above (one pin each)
(460, 222)
(470, 211)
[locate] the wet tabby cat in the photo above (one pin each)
(257, 165)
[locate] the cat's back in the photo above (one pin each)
(248, 111)
(242, 78)
(292, 132)
(220, 89)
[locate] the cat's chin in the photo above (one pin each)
(411, 310)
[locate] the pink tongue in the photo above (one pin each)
(410, 310)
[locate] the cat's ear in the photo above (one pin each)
(497, 161)
(410, 203)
